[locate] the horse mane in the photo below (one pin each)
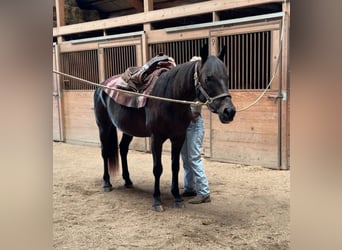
(177, 82)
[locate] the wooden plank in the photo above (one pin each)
(60, 16)
(158, 15)
(56, 118)
(275, 46)
(159, 36)
(246, 28)
(253, 135)
(101, 64)
(246, 153)
(57, 110)
(69, 47)
(80, 125)
(148, 5)
(119, 42)
(285, 108)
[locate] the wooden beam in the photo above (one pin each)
(60, 17)
(158, 15)
(285, 116)
(101, 64)
(60, 12)
(214, 40)
(215, 16)
(137, 4)
(275, 47)
(148, 5)
(156, 36)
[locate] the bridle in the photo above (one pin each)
(198, 86)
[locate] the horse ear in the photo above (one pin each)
(204, 53)
(222, 53)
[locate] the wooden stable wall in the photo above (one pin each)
(79, 120)
(252, 138)
(257, 136)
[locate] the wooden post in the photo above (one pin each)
(285, 126)
(275, 46)
(101, 64)
(213, 49)
(148, 6)
(60, 17)
(58, 89)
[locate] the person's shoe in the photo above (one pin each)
(189, 193)
(200, 199)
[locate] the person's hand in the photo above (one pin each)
(194, 116)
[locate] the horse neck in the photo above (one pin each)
(184, 84)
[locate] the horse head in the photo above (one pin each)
(212, 86)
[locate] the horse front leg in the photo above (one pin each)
(156, 148)
(124, 146)
(176, 146)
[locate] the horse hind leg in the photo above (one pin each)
(124, 146)
(109, 152)
(108, 138)
(157, 146)
(107, 186)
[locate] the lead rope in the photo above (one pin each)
(130, 92)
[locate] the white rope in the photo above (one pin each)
(130, 92)
(275, 70)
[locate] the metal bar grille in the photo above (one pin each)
(248, 59)
(118, 59)
(181, 51)
(82, 64)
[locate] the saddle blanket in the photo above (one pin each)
(136, 80)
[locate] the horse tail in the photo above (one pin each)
(107, 132)
(113, 152)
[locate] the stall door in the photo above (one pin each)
(253, 138)
(114, 58)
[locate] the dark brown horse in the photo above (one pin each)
(205, 80)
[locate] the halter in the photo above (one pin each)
(198, 85)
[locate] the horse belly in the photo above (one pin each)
(131, 121)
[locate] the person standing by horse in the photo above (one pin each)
(195, 180)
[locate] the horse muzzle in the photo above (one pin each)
(227, 114)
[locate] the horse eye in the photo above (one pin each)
(209, 78)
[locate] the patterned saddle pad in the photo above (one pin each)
(137, 80)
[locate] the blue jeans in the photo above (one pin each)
(194, 175)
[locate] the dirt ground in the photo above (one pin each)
(249, 207)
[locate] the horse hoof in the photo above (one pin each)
(129, 185)
(107, 189)
(158, 208)
(178, 204)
